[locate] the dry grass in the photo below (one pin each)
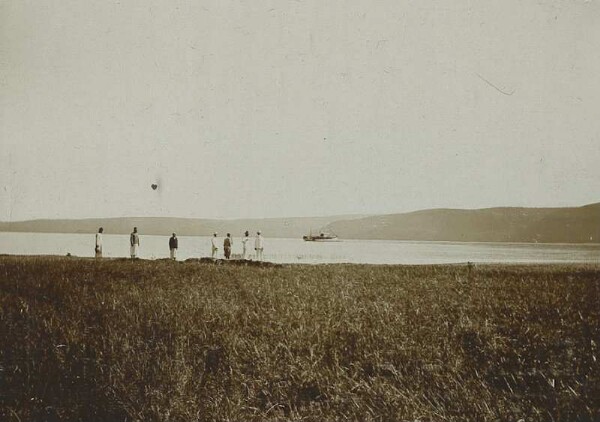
(120, 340)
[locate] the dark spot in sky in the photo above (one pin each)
(154, 186)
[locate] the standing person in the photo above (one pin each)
(245, 240)
(134, 242)
(259, 246)
(173, 245)
(214, 248)
(99, 242)
(227, 244)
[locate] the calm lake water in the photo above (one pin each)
(299, 251)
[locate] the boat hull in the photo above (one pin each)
(320, 239)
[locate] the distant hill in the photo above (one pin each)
(547, 225)
(271, 227)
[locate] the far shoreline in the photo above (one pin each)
(470, 242)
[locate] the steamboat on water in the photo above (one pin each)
(321, 237)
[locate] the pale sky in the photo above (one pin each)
(296, 108)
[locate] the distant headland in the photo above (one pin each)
(503, 224)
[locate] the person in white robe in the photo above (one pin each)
(98, 248)
(245, 241)
(259, 246)
(214, 246)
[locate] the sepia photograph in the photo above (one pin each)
(299, 210)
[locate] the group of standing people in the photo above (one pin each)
(134, 245)
(228, 245)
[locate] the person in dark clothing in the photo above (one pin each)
(134, 242)
(173, 245)
(227, 243)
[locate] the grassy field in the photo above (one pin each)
(159, 340)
